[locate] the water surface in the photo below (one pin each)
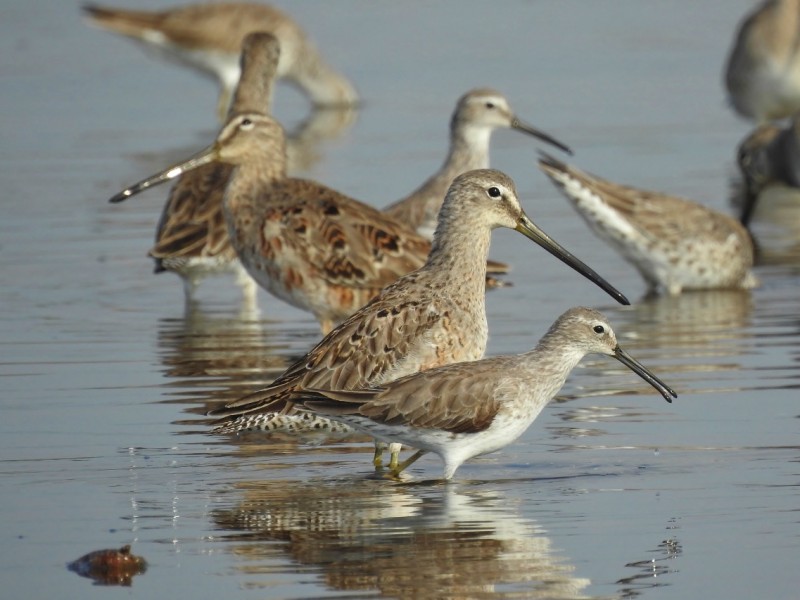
(612, 492)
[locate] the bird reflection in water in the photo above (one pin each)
(217, 356)
(367, 536)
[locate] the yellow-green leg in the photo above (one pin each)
(399, 468)
(377, 458)
(394, 458)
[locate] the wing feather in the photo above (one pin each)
(453, 398)
(192, 222)
(354, 355)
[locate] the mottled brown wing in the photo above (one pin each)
(654, 214)
(660, 216)
(416, 208)
(198, 26)
(449, 398)
(375, 341)
(126, 22)
(274, 398)
(362, 351)
(192, 222)
(222, 26)
(346, 242)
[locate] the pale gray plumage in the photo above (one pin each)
(467, 409)
(477, 114)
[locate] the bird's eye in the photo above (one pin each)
(490, 105)
(599, 329)
(494, 192)
(246, 123)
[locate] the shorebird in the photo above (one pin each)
(192, 236)
(762, 75)
(675, 243)
(477, 114)
(770, 155)
(305, 243)
(433, 316)
(467, 409)
(208, 37)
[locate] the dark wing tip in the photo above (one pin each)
(547, 160)
(94, 10)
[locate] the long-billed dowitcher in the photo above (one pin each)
(768, 156)
(192, 236)
(208, 37)
(467, 409)
(431, 317)
(674, 243)
(762, 75)
(307, 244)
(477, 114)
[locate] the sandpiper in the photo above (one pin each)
(433, 316)
(762, 75)
(208, 37)
(467, 409)
(307, 244)
(192, 236)
(477, 114)
(675, 244)
(769, 155)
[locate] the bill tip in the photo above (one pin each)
(123, 195)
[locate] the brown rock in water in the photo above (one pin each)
(109, 567)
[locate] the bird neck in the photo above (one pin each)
(460, 248)
(469, 147)
(552, 359)
(251, 177)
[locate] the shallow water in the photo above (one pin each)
(611, 493)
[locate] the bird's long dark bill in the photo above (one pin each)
(635, 366)
(529, 229)
(538, 133)
(748, 206)
(198, 160)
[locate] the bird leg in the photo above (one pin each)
(397, 469)
(377, 458)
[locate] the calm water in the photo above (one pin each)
(612, 492)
